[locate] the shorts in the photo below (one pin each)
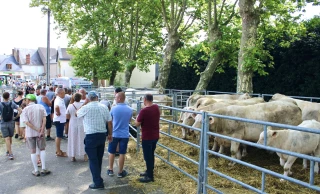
(7, 129)
(123, 144)
(33, 142)
(48, 122)
(59, 129)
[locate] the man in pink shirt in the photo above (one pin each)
(34, 116)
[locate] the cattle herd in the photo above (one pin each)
(279, 109)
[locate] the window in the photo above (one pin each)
(9, 66)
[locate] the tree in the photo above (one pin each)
(222, 38)
(112, 41)
(173, 13)
(256, 18)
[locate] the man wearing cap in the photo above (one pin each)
(95, 116)
(34, 116)
(7, 126)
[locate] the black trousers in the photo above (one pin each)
(148, 147)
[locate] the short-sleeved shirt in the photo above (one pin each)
(33, 114)
(121, 115)
(95, 117)
(149, 118)
(50, 94)
(63, 110)
(13, 106)
(67, 99)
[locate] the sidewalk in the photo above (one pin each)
(66, 176)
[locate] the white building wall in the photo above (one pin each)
(34, 70)
(139, 79)
(66, 70)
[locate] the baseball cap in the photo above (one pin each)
(31, 97)
(92, 94)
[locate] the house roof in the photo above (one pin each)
(9, 59)
(62, 54)
(34, 56)
(43, 55)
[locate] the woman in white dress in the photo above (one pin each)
(76, 133)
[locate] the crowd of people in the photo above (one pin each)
(84, 121)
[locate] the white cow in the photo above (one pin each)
(295, 141)
(310, 110)
(187, 119)
(278, 112)
(193, 98)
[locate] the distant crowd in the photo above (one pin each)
(81, 119)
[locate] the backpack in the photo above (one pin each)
(7, 112)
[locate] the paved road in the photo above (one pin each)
(66, 176)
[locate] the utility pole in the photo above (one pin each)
(48, 49)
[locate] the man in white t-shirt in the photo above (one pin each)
(59, 119)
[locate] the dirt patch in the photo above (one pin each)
(172, 181)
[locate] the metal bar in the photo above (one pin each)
(205, 147)
(316, 159)
(311, 181)
(201, 159)
(234, 180)
(177, 153)
(263, 170)
(138, 128)
(48, 48)
(213, 189)
(263, 181)
(181, 140)
(179, 169)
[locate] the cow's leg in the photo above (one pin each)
(316, 164)
(287, 166)
(282, 161)
(244, 150)
(234, 151)
(215, 145)
(183, 132)
(305, 164)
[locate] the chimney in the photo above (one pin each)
(28, 59)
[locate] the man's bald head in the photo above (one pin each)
(120, 97)
(83, 92)
(61, 93)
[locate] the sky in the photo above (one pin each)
(25, 27)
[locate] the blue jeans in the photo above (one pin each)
(94, 147)
(148, 147)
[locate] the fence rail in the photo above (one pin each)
(204, 152)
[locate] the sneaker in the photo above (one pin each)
(94, 187)
(110, 172)
(11, 157)
(7, 153)
(146, 179)
(122, 174)
(49, 138)
(36, 173)
(45, 172)
(144, 174)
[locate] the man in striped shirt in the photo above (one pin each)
(34, 116)
(95, 117)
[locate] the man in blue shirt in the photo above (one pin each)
(121, 115)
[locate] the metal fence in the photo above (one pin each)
(202, 163)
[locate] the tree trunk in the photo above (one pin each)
(95, 77)
(169, 52)
(207, 74)
(112, 78)
(250, 21)
(128, 74)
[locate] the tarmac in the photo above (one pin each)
(66, 176)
